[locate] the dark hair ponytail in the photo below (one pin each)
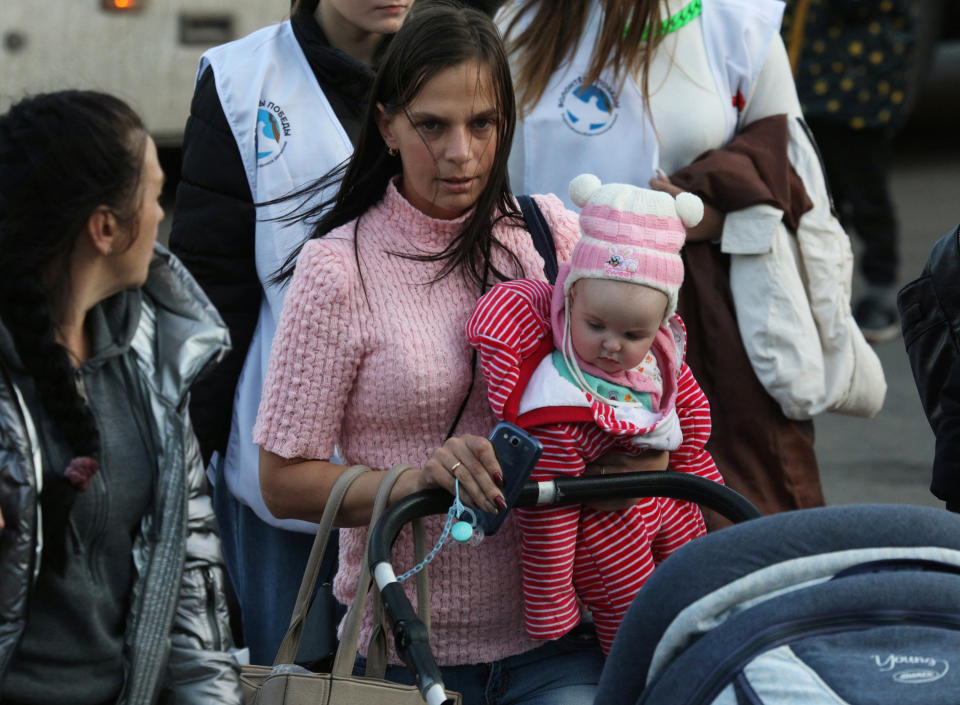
(62, 156)
(437, 35)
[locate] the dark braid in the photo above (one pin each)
(62, 156)
(26, 313)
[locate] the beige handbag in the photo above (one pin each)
(280, 684)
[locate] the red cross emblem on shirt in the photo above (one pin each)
(739, 101)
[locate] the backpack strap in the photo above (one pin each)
(541, 235)
(543, 241)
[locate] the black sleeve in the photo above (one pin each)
(213, 233)
(946, 460)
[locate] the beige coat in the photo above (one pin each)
(791, 292)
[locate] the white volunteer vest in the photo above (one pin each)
(574, 126)
(575, 129)
(288, 136)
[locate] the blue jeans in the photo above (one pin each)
(561, 672)
(265, 565)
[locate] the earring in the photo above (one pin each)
(391, 151)
(109, 251)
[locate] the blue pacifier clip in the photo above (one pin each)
(462, 530)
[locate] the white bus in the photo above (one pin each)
(144, 51)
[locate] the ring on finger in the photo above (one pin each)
(453, 470)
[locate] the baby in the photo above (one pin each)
(591, 365)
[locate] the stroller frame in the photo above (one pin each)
(410, 634)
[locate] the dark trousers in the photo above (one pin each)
(857, 162)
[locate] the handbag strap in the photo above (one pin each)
(290, 645)
(540, 233)
(377, 653)
(423, 576)
(377, 650)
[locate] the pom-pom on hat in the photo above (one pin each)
(631, 234)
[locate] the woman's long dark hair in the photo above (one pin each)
(436, 35)
(62, 156)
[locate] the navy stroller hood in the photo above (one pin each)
(852, 604)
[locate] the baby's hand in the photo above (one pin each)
(710, 228)
(612, 463)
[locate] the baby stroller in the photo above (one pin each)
(832, 606)
(839, 605)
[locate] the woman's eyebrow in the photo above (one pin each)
(421, 116)
(417, 117)
(491, 112)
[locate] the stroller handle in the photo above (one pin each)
(410, 635)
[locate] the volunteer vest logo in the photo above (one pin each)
(588, 110)
(911, 668)
(273, 131)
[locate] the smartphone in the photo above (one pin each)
(517, 452)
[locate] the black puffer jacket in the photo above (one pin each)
(214, 219)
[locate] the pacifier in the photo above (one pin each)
(466, 531)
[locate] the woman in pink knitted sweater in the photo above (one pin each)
(370, 352)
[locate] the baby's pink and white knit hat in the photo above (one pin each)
(631, 234)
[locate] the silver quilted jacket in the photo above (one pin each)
(178, 636)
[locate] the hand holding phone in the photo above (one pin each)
(517, 452)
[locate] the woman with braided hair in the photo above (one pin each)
(110, 567)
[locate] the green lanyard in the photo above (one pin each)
(687, 14)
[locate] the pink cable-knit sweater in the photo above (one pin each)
(383, 373)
